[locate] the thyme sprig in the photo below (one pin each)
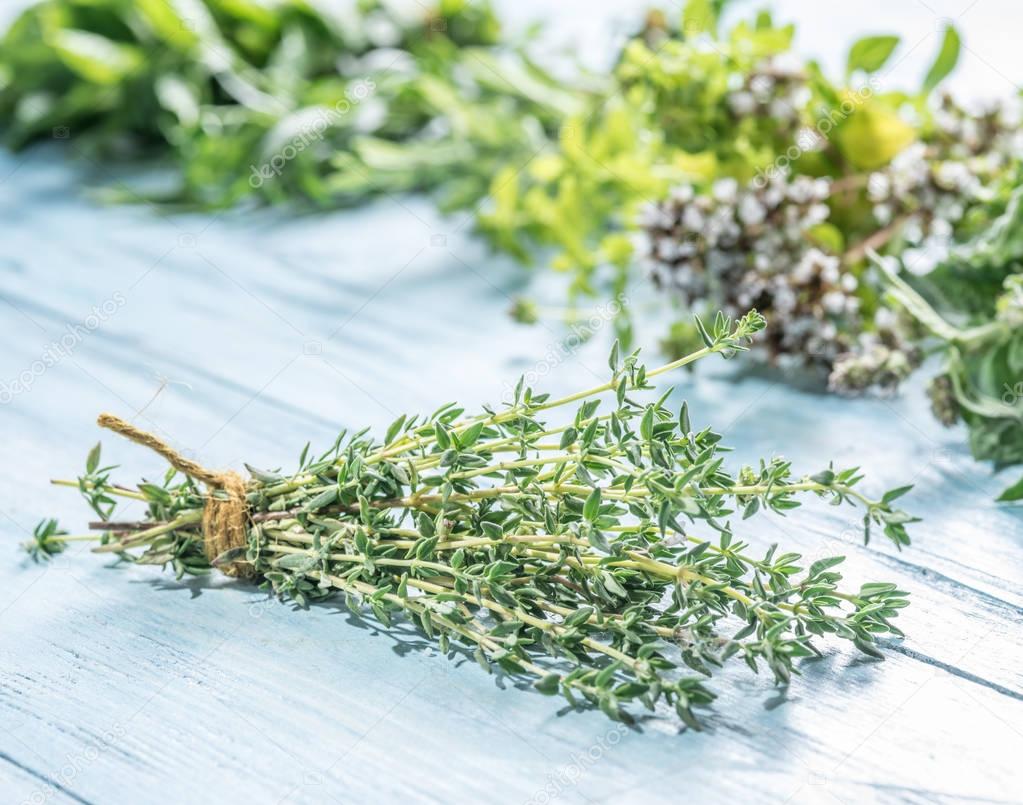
(601, 559)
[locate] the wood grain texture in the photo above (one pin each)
(262, 330)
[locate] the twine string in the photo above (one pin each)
(225, 516)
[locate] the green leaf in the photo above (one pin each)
(92, 461)
(872, 135)
(870, 53)
(326, 498)
(597, 539)
(155, 493)
(825, 477)
(297, 562)
(685, 426)
(698, 17)
(96, 58)
(868, 648)
(945, 61)
(394, 429)
(704, 335)
(592, 505)
(827, 237)
(548, 685)
(581, 615)
(606, 674)
(1013, 493)
(471, 434)
(824, 564)
(893, 494)
(646, 425)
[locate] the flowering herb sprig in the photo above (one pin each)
(738, 175)
(770, 245)
(602, 558)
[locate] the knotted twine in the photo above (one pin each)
(224, 518)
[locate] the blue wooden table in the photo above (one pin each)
(240, 336)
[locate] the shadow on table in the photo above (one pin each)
(408, 639)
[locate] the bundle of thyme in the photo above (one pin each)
(597, 558)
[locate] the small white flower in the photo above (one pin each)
(885, 319)
(805, 269)
(774, 196)
(879, 186)
(830, 269)
(801, 96)
(725, 190)
(913, 230)
(816, 214)
(751, 211)
(649, 215)
(834, 302)
(921, 260)
(381, 31)
(781, 108)
(682, 193)
(692, 219)
(949, 209)
(1010, 113)
(952, 175)
(786, 63)
(667, 249)
(947, 122)
(761, 86)
(809, 139)
(801, 189)
(742, 103)
(784, 300)
(941, 229)
(971, 133)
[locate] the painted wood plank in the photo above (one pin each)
(119, 684)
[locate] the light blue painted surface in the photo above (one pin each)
(124, 686)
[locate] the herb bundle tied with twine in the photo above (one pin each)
(597, 559)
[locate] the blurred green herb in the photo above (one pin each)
(976, 318)
(704, 133)
(282, 102)
(601, 559)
